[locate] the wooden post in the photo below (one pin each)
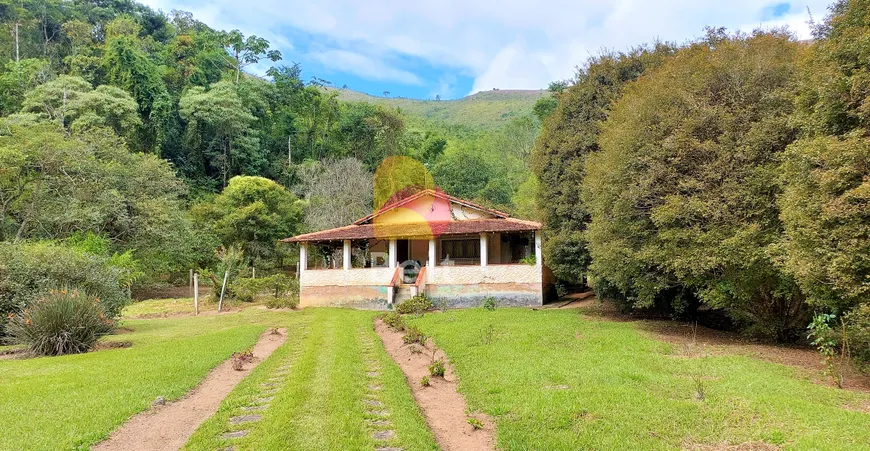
(190, 279)
(253, 272)
(196, 293)
(223, 287)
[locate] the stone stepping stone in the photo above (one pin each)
(254, 408)
(379, 413)
(384, 435)
(374, 387)
(373, 374)
(269, 384)
(245, 419)
(264, 400)
(235, 434)
(374, 402)
(271, 392)
(380, 423)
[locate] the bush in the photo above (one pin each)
(858, 330)
(414, 335)
(60, 322)
(490, 304)
(394, 320)
(28, 270)
(416, 305)
(437, 368)
(278, 286)
(425, 381)
(289, 301)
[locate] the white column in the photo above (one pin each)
(303, 257)
(346, 254)
(484, 250)
(431, 253)
(393, 252)
(539, 254)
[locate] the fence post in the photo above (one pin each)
(196, 293)
(223, 287)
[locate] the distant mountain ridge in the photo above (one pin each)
(485, 110)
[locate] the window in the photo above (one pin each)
(460, 249)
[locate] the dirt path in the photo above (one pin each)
(169, 427)
(443, 406)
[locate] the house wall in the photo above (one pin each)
(363, 288)
(469, 286)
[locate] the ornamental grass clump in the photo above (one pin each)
(60, 322)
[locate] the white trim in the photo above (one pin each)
(484, 250)
(346, 259)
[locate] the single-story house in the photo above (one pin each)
(456, 252)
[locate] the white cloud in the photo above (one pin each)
(364, 66)
(501, 43)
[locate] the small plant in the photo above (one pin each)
(241, 358)
(394, 320)
(530, 260)
(437, 368)
(700, 387)
(488, 334)
(416, 305)
(490, 304)
(60, 322)
(416, 350)
(475, 423)
(824, 338)
(414, 335)
(425, 381)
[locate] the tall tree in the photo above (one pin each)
(247, 51)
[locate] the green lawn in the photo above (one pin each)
(74, 401)
(178, 306)
(321, 402)
(556, 380)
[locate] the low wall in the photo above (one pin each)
(363, 288)
(468, 286)
(449, 286)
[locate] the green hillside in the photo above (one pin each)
(487, 110)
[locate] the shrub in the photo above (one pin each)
(437, 368)
(425, 381)
(858, 332)
(416, 305)
(28, 270)
(490, 304)
(414, 335)
(289, 301)
(278, 286)
(60, 322)
(394, 320)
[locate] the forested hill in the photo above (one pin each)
(486, 110)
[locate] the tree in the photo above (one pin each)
(18, 78)
(70, 102)
(219, 122)
(386, 93)
(254, 213)
(682, 196)
(826, 176)
(568, 135)
(339, 193)
(247, 51)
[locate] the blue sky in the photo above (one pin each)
(452, 48)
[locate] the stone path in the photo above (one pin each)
(377, 415)
(253, 411)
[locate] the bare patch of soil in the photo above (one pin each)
(103, 345)
(169, 426)
(442, 405)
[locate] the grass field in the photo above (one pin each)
(487, 110)
(555, 380)
(71, 402)
(177, 306)
(321, 404)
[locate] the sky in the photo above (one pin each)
(453, 48)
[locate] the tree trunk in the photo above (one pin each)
(15, 32)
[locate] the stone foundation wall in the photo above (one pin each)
(473, 295)
(361, 297)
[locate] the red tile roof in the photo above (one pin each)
(434, 193)
(417, 230)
